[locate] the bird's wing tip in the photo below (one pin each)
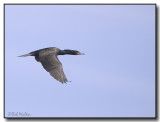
(65, 82)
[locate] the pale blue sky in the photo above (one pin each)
(116, 77)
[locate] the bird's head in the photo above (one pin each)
(70, 52)
(78, 53)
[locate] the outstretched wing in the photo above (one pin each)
(52, 65)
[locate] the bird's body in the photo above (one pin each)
(48, 58)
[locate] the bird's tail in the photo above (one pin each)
(29, 54)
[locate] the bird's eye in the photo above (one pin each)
(77, 52)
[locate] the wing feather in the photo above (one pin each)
(52, 65)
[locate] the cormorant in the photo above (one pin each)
(50, 62)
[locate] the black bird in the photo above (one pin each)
(50, 62)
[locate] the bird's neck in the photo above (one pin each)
(64, 52)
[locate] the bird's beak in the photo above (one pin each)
(79, 53)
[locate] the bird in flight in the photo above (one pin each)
(48, 58)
